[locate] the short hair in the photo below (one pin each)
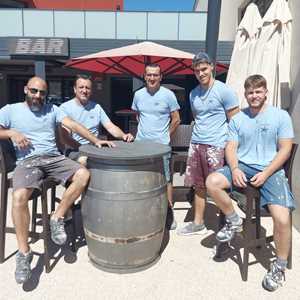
(201, 57)
(255, 81)
(153, 65)
(82, 76)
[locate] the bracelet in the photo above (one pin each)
(234, 168)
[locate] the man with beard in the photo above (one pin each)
(259, 143)
(88, 113)
(212, 104)
(31, 127)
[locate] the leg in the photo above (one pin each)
(196, 172)
(216, 184)
(21, 217)
(282, 230)
(282, 239)
(170, 194)
(199, 205)
(78, 183)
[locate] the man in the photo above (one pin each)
(212, 104)
(31, 127)
(88, 113)
(158, 117)
(259, 143)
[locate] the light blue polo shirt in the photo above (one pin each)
(38, 127)
(154, 114)
(258, 136)
(90, 115)
(209, 110)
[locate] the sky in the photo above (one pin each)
(159, 5)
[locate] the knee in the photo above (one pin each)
(82, 160)
(82, 176)
(282, 223)
(20, 198)
(214, 181)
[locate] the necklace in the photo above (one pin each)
(206, 94)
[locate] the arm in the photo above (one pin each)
(18, 138)
(284, 151)
(84, 132)
(238, 177)
(117, 132)
(65, 137)
(231, 112)
(175, 121)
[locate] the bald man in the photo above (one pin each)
(30, 125)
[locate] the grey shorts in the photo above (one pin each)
(275, 190)
(31, 172)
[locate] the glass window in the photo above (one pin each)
(163, 26)
(69, 24)
(100, 25)
(192, 26)
(131, 25)
(43, 18)
(11, 22)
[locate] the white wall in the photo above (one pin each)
(295, 107)
(228, 17)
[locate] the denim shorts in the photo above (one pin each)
(275, 190)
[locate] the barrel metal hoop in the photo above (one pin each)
(122, 241)
(115, 196)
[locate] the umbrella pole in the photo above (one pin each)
(212, 29)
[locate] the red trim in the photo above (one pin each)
(76, 4)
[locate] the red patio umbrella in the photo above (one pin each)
(132, 59)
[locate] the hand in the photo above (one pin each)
(239, 178)
(101, 143)
(20, 140)
(128, 137)
(258, 179)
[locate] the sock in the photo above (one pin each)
(282, 263)
(233, 218)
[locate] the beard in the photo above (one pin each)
(34, 106)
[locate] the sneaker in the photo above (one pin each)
(58, 233)
(23, 270)
(192, 228)
(227, 233)
(274, 278)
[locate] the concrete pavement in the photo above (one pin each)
(186, 270)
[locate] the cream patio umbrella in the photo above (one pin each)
(272, 53)
(244, 47)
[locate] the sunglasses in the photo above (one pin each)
(34, 91)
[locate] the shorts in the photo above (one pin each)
(275, 190)
(202, 160)
(31, 172)
(167, 161)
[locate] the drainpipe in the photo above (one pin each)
(212, 28)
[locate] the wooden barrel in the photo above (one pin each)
(124, 208)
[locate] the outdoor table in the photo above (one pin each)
(125, 206)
